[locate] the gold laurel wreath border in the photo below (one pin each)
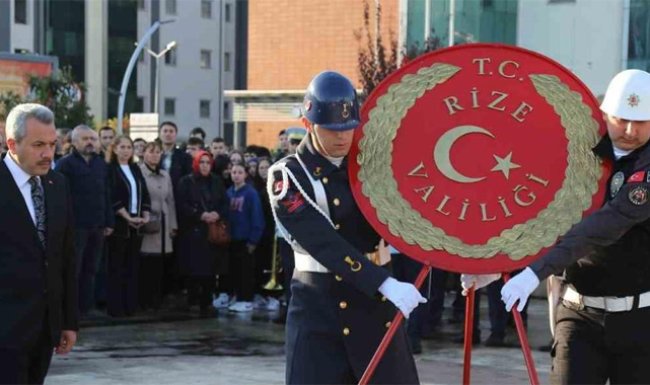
(380, 187)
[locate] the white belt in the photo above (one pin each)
(305, 262)
(609, 304)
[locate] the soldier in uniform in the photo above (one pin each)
(602, 321)
(343, 297)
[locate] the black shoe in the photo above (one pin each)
(416, 347)
(476, 339)
(495, 341)
(546, 348)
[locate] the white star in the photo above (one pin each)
(505, 164)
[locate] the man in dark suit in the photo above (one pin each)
(38, 289)
(178, 164)
(174, 160)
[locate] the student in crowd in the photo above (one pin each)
(247, 226)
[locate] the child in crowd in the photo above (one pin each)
(246, 226)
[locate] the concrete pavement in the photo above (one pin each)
(248, 349)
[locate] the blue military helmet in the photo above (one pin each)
(331, 102)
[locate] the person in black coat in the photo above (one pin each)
(38, 287)
(132, 205)
(201, 199)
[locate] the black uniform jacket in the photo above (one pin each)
(340, 313)
(608, 252)
(35, 282)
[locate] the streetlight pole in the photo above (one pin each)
(157, 56)
(129, 68)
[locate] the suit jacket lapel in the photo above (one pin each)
(50, 208)
(16, 202)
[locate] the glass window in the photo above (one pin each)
(170, 57)
(204, 108)
(170, 7)
(206, 9)
(227, 13)
(226, 61)
(226, 111)
(170, 106)
(20, 11)
(206, 58)
(638, 49)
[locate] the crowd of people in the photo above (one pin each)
(142, 216)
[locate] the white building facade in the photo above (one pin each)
(593, 38)
(195, 71)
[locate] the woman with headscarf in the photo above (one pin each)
(201, 200)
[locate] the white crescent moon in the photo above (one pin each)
(443, 147)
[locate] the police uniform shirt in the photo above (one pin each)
(608, 252)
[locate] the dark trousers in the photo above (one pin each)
(497, 311)
(199, 290)
(288, 263)
(242, 273)
(29, 365)
(592, 346)
(89, 245)
(436, 294)
(151, 280)
(123, 264)
(101, 276)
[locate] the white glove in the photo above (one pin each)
(404, 296)
(467, 281)
(519, 289)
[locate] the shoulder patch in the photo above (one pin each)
(293, 201)
(638, 176)
(638, 195)
(277, 186)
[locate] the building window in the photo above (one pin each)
(20, 11)
(226, 111)
(227, 11)
(226, 61)
(206, 9)
(170, 7)
(170, 57)
(206, 59)
(638, 49)
(141, 4)
(204, 108)
(170, 106)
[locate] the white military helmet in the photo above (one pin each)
(628, 96)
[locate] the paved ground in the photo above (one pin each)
(233, 349)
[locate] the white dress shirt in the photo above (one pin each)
(22, 181)
(133, 203)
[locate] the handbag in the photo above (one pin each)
(218, 233)
(154, 225)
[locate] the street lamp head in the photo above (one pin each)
(171, 45)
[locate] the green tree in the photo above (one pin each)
(60, 93)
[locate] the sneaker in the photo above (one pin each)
(221, 302)
(241, 307)
(272, 304)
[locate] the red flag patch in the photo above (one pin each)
(638, 176)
